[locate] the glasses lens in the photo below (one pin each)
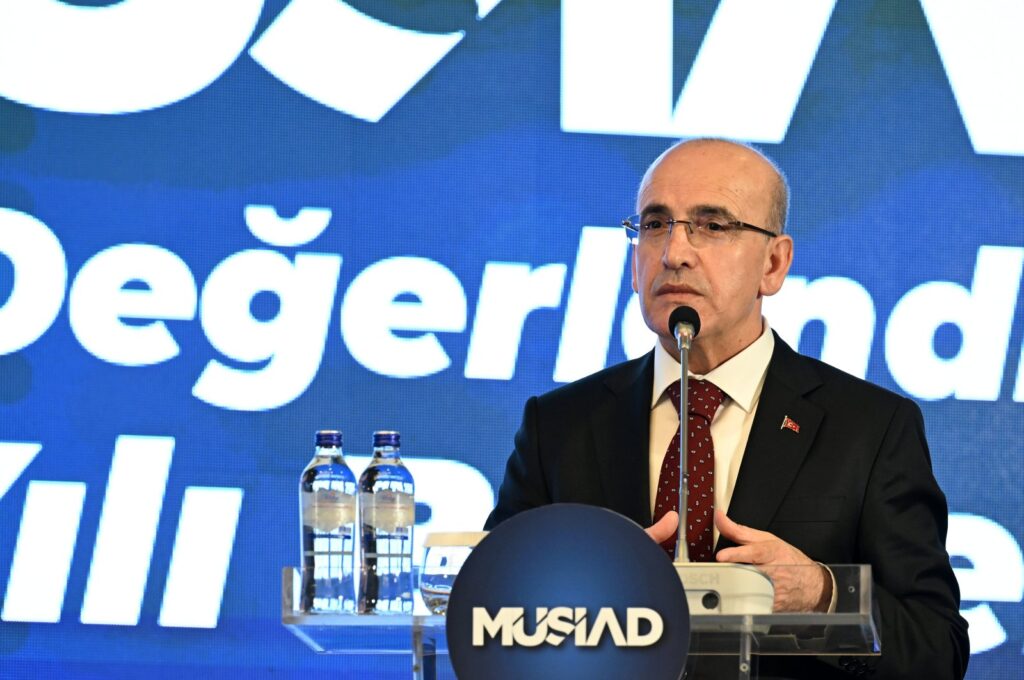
(653, 226)
(707, 231)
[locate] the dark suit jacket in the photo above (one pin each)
(854, 486)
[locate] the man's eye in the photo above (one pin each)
(653, 223)
(716, 227)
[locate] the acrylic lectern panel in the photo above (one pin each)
(849, 630)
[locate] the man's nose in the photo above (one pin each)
(679, 251)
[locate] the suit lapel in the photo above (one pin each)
(620, 427)
(774, 454)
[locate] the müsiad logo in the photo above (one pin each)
(568, 590)
(555, 625)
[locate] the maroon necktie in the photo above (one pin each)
(704, 400)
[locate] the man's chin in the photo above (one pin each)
(664, 311)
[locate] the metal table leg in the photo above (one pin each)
(746, 648)
(424, 655)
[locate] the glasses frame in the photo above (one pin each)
(633, 229)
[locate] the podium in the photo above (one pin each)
(737, 640)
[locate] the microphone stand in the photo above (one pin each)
(684, 338)
(711, 587)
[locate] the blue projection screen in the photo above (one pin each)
(226, 225)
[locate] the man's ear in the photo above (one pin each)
(776, 264)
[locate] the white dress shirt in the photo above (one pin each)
(741, 379)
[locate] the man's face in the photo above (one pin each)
(724, 282)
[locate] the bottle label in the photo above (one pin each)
(388, 510)
(327, 510)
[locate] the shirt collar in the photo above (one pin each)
(740, 377)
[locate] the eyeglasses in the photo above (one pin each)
(703, 231)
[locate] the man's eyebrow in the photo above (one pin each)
(702, 210)
(707, 210)
(654, 208)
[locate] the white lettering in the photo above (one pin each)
(42, 554)
(636, 615)
(1018, 391)
(130, 56)
(581, 627)
(99, 300)
(843, 305)
(984, 315)
(292, 343)
(606, 621)
(996, 574)
(269, 227)
(371, 312)
(590, 311)
(763, 47)
(986, 83)
(508, 293)
(394, 309)
(502, 623)
(637, 338)
(560, 622)
(201, 556)
(597, 79)
(127, 531)
(127, 57)
(40, 276)
(346, 60)
(540, 632)
(553, 626)
(14, 458)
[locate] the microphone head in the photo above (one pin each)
(684, 315)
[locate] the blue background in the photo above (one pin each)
(471, 166)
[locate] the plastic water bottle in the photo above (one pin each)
(327, 501)
(387, 512)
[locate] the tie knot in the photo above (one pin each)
(703, 400)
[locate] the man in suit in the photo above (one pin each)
(808, 465)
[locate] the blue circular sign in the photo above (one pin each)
(568, 591)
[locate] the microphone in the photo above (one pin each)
(684, 325)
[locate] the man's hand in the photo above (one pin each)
(664, 528)
(803, 589)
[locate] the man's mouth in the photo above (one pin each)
(675, 289)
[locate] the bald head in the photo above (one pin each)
(741, 155)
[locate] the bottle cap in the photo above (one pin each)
(385, 438)
(328, 438)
